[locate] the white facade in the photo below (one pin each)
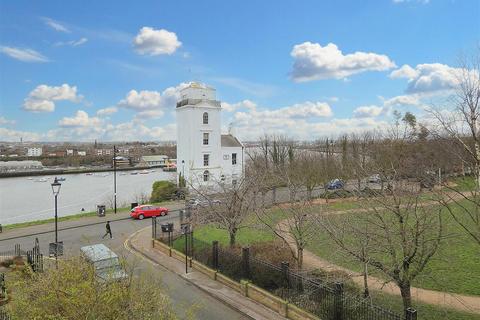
(34, 152)
(200, 154)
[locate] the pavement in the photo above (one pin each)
(141, 243)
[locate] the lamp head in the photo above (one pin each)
(56, 186)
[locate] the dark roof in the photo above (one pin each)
(230, 141)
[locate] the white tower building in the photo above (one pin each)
(205, 157)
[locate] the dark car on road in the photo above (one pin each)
(335, 184)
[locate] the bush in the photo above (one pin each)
(336, 194)
(162, 190)
(72, 292)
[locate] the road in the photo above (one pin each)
(182, 293)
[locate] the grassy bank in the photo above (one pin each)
(77, 216)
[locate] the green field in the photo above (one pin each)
(454, 268)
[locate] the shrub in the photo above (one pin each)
(162, 190)
(336, 194)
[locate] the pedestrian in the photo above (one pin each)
(108, 230)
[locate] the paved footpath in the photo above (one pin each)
(142, 244)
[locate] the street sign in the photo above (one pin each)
(58, 248)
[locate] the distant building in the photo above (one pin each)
(205, 157)
(121, 162)
(158, 160)
(34, 152)
(103, 152)
(69, 152)
(81, 153)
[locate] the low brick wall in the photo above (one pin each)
(229, 282)
(295, 313)
(204, 269)
(267, 299)
(249, 290)
(162, 247)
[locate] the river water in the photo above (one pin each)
(26, 199)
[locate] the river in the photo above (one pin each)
(25, 199)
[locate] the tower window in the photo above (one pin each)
(206, 175)
(234, 158)
(205, 118)
(206, 160)
(205, 139)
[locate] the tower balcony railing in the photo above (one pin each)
(185, 102)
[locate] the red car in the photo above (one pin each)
(147, 211)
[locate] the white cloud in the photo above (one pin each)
(73, 43)
(106, 111)
(313, 62)
(15, 135)
(42, 98)
(368, 111)
(156, 42)
(81, 119)
(404, 72)
(231, 107)
(149, 114)
(151, 104)
(55, 25)
(25, 55)
(5, 121)
(429, 78)
(404, 100)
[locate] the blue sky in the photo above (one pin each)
(111, 70)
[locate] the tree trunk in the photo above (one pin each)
(406, 296)
(366, 294)
(232, 238)
(300, 258)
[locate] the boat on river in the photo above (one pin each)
(40, 180)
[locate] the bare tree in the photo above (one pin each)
(397, 235)
(293, 223)
(461, 126)
(227, 205)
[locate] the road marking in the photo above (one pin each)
(135, 252)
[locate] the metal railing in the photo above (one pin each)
(325, 299)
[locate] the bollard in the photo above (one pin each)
(215, 254)
(246, 262)
(338, 304)
(411, 314)
(285, 271)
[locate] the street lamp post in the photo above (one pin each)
(115, 178)
(183, 169)
(56, 190)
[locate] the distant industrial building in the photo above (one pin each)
(9, 166)
(159, 160)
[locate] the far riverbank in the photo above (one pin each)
(63, 171)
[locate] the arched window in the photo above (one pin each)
(205, 118)
(206, 175)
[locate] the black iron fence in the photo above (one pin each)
(4, 314)
(327, 300)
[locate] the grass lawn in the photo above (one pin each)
(424, 311)
(454, 268)
(251, 235)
